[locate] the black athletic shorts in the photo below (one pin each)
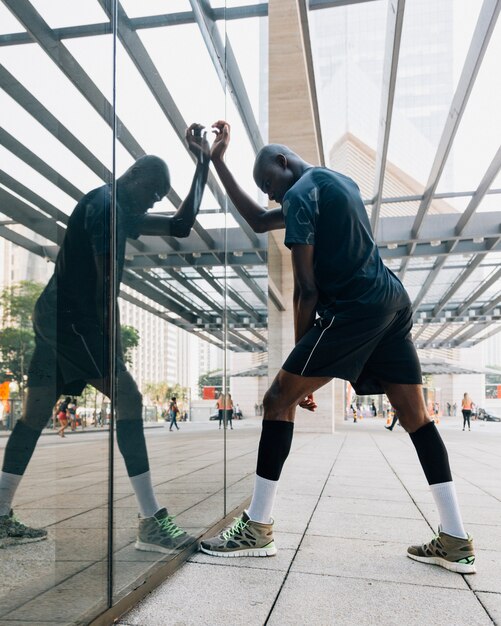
(68, 355)
(364, 351)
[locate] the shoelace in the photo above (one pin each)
(233, 530)
(18, 523)
(167, 524)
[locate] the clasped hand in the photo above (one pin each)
(196, 138)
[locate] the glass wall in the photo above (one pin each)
(133, 308)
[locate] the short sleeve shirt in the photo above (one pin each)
(325, 209)
(71, 292)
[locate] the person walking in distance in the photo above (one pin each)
(352, 320)
(466, 408)
(173, 412)
(62, 415)
(72, 321)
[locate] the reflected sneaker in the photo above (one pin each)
(160, 534)
(243, 538)
(13, 532)
(452, 553)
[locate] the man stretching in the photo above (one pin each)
(72, 340)
(352, 320)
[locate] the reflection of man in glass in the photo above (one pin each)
(72, 321)
(352, 320)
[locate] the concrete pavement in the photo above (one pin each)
(348, 506)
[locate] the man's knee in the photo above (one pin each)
(276, 404)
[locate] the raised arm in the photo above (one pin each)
(181, 222)
(260, 220)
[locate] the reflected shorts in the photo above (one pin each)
(363, 351)
(69, 355)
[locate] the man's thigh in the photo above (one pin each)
(288, 390)
(38, 405)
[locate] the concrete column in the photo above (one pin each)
(291, 123)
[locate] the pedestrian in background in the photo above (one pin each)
(466, 408)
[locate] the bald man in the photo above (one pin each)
(72, 321)
(352, 320)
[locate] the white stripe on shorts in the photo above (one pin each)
(313, 349)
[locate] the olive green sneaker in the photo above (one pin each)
(452, 553)
(160, 534)
(13, 532)
(243, 538)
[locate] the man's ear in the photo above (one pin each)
(282, 161)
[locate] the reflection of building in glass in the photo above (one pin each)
(18, 264)
(350, 48)
(165, 352)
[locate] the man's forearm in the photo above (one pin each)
(185, 216)
(248, 208)
(304, 314)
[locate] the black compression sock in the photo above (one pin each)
(132, 445)
(274, 447)
(432, 454)
(19, 448)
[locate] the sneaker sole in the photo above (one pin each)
(269, 550)
(13, 541)
(460, 568)
(152, 547)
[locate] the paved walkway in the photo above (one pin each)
(348, 506)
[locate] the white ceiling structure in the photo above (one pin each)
(195, 58)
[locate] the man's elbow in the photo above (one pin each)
(181, 228)
(259, 227)
(182, 233)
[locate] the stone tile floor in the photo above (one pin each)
(347, 507)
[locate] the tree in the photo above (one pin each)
(160, 393)
(130, 340)
(17, 340)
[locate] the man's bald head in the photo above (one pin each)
(150, 169)
(276, 169)
(269, 154)
(145, 182)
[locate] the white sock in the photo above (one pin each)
(145, 495)
(263, 499)
(446, 500)
(8, 486)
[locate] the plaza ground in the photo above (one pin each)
(348, 506)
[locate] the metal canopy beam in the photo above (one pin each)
(29, 103)
(140, 23)
(20, 240)
(24, 11)
(27, 216)
(147, 69)
(39, 165)
(310, 77)
(478, 196)
(479, 291)
(329, 4)
(493, 332)
(227, 69)
(480, 40)
(393, 37)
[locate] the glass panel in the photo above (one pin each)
(55, 147)
(172, 301)
(348, 50)
(247, 281)
(481, 123)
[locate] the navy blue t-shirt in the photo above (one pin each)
(71, 291)
(325, 209)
